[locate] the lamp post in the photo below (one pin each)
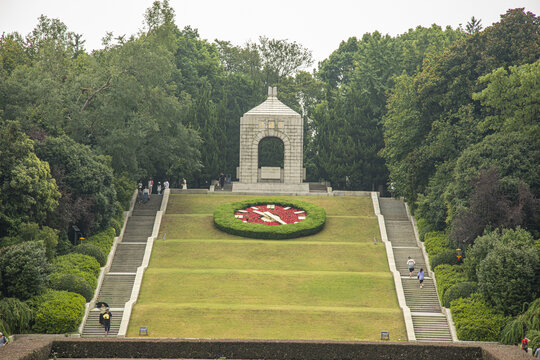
(459, 255)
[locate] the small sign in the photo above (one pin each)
(143, 330)
(385, 335)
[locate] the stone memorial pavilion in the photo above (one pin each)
(271, 119)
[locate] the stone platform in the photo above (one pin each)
(238, 187)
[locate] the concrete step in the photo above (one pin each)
(116, 290)
(393, 209)
(92, 327)
(423, 299)
(400, 232)
(401, 256)
(431, 328)
(128, 257)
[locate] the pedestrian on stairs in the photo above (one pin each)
(411, 263)
(421, 277)
(221, 180)
(146, 194)
(102, 311)
(159, 188)
(107, 321)
(150, 186)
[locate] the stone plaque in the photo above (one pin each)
(270, 172)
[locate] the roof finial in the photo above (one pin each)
(270, 91)
(274, 90)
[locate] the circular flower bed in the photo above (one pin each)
(270, 214)
(251, 218)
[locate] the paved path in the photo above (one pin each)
(429, 322)
(117, 283)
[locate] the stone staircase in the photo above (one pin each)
(429, 323)
(117, 283)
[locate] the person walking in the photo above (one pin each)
(184, 184)
(421, 277)
(537, 352)
(411, 264)
(146, 195)
(107, 321)
(166, 184)
(102, 310)
(221, 180)
(159, 187)
(150, 186)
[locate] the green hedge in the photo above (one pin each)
(459, 290)
(436, 243)
(72, 283)
(446, 257)
(224, 220)
(448, 275)
(59, 312)
(102, 240)
(476, 320)
(84, 266)
(91, 250)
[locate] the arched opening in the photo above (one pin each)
(271, 152)
(271, 159)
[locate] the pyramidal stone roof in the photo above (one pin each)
(272, 106)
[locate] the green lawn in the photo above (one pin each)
(203, 283)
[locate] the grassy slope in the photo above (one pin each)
(204, 283)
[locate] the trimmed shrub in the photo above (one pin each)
(225, 221)
(72, 283)
(459, 290)
(435, 243)
(59, 312)
(446, 257)
(84, 266)
(424, 227)
(448, 275)
(91, 250)
(103, 240)
(476, 320)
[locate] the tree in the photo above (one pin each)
(281, 58)
(86, 181)
(509, 276)
(494, 204)
(473, 26)
(27, 190)
(24, 270)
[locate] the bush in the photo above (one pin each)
(446, 257)
(103, 239)
(72, 283)
(124, 190)
(459, 290)
(24, 270)
(528, 321)
(59, 312)
(115, 224)
(225, 221)
(448, 275)
(476, 320)
(435, 243)
(15, 316)
(84, 266)
(534, 339)
(91, 250)
(509, 276)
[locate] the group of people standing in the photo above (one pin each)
(145, 191)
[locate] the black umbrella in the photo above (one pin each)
(101, 303)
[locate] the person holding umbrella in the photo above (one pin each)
(102, 306)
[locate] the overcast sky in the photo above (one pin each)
(318, 25)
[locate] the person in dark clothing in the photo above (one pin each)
(107, 321)
(221, 180)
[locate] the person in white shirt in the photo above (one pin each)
(411, 263)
